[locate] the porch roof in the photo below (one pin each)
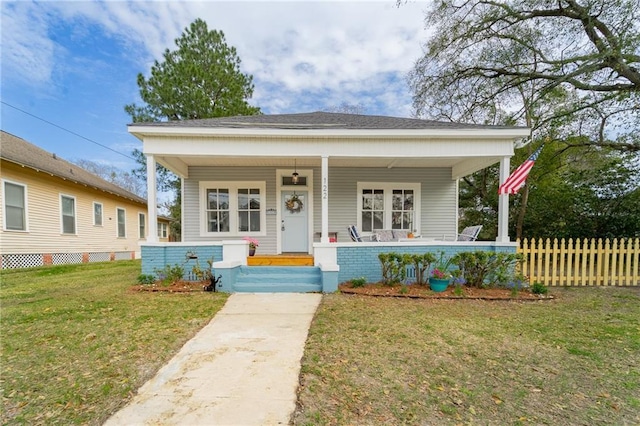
(349, 140)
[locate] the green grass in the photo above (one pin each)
(571, 361)
(77, 343)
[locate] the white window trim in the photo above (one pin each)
(233, 207)
(144, 223)
(163, 230)
(388, 188)
(4, 207)
(75, 215)
(101, 213)
(125, 222)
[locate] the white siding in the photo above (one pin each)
(438, 198)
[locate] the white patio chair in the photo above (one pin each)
(470, 233)
(354, 234)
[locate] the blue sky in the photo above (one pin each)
(74, 63)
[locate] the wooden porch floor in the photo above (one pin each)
(280, 260)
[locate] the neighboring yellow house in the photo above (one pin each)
(54, 212)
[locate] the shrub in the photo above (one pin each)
(539, 288)
(203, 274)
(393, 268)
(169, 274)
(358, 282)
(146, 279)
(421, 263)
(484, 268)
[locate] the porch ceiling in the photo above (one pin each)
(460, 166)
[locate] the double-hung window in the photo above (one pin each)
(97, 214)
(388, 206)
(121, 216)
(232, 208)
(162, 230)
(142, 225)
(15, 206)
(68, 214)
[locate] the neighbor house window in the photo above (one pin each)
(233, 208)
(141, 225)
(97, 214)
(15, 207)
(121, 216)
(163, 231)
(68, 210)
(388, 206)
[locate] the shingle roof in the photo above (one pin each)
(319, 120)
(19, 151)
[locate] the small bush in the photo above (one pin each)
(484, 269)
(539, 288)
(394, 269)
(358, 282)
(146, 279)
(169, 274)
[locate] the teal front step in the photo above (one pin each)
(278, 279)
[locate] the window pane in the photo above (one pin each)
(14, 207)
(243, 199)
(396, 220)
(141, 220)
(367, 222)
(243, 221)
(223, 199)
(97, 214)
(212, 220)
(255, 221)
(378, 220)
(224, 221)
(212, 199)
(67, 206)
(254, 204)
(378, 199)
(15, 218)
(68, 215)
(122, 230)
(14, 195)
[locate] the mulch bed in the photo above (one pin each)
(424, 292)
(177, 287)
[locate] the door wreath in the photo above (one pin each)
(294, 204)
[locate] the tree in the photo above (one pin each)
(201, 79)
(125, 180)
(565, 69)
(485, 54)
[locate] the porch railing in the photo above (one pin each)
(582, 262)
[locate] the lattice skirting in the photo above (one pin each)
(31, 260)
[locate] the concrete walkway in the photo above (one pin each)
(240, 369)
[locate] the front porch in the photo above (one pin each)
(331, 263)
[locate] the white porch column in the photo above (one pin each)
(325, 199)
(503, 204)
(152, 200)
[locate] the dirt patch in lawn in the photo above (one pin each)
(424, 292)
(177, 287)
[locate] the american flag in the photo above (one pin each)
(517, 178)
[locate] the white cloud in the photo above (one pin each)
(333, 51)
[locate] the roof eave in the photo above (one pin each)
(489, 133)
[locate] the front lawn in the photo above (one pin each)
(574, 360)
(77, 343)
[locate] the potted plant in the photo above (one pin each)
(440, 274)
(253, 244)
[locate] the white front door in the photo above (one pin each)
(294, 226)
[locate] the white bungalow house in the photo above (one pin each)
(296, 182)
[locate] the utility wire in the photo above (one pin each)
(66, 130)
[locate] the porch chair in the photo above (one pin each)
(470, 233)
(354, 234)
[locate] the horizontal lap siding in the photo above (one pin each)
(191, 227)
(438, 198)
(44, 221)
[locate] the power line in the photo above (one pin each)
(66, 130)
